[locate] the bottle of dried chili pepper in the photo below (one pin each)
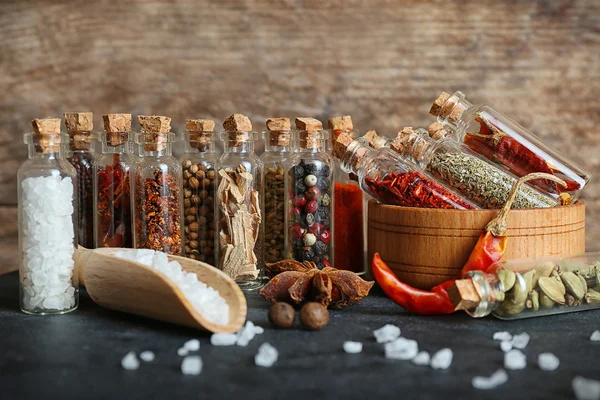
(309, 189)
(112, 189)
(392, 180)
(502, 140)
(199, 187)
(278, 148)
(156, 192)
(81, 156)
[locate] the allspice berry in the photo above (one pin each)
(314, 316)
(282, 315)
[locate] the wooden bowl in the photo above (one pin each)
(425, 247)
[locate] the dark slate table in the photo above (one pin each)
(79, 354)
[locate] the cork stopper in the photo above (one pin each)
(436, 107)
(200, 133)
(341, 148)
(343, 123)
(46, 135)
(237, 122)
(447, 107)
(374, 140)
(279, 124)
(117, 128)
(156, 131)
(308, 124)
(200, 125)
(79, 121)
(279, 131)
(436, 131)
(464, 294)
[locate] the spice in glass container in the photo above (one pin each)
(156, 177)
(112, 189)
(81, 156)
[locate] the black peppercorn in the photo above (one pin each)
(299, 187)
(308, 255)
(320, 248)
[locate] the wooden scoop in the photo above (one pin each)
(134, 288)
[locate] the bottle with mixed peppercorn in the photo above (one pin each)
(81, 156)
(309, 189)
(392, 180)
(502, 140)
(278, 140)
(199, 187)
(156, 188)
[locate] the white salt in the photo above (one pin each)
(192, 345)
(223, 339)
(520, 341)
(498, 378)
(422, 358)
(247, 333)
(506, 346)
(548, 362)
(401, 349)
(586, 389)
(182, 351)
(503, 336)
(130, 362)
(514, 360)
(191, 365)
(442, 359)
(267, 355)
(205, 299)
(147, 356)
(353, 347)
(387, 333)
(595, 336)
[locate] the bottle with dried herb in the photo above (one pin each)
(475, 177)
(239, 206)
(309, 189)
(517, 289)
(392, 180)
(503, 141)
(278, 148)
(348, 208)
(47, 198)
(81, 156)
(112, 189)
(156, 192)
(199, 187)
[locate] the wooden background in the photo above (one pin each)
(381, 61)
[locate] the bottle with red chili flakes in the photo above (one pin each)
(391, 180)
(112, 189)
(156, 188)
(81, 156)
(502, 140)
(309, 187)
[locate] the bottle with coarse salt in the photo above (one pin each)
(47, 215)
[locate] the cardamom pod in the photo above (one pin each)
(543, 269)
(533, 300)
(573, 284)
(545, 301)
(508, 279)
(516, 298)
(553, 289)
(583, 281)
(592, 297)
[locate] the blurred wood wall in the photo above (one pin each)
(381, 61)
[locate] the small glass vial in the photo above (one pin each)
(156, 192)
(199, 187)
(47, 195)
(392, 180)
(239, 205)
(502, 140)
(278, 148)
(81, 156)
(309, 188)
(517, 289)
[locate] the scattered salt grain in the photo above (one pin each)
(387, 333)
(130, 361)
(515, 359)
(498, 378)
(595, 336)
(422, 358)
(223, 339)
(192, 345)
(147, 356)
(586, 389)
(520, 341)
(506, 346)
(503, 336)
(267, 355)
(353, 347)
(191, 365)
(548, 362)
(247, 333)
(401, 349)
(442, 359)
(182, 351)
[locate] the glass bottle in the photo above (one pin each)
(517, 289)
(392, 180)
(47, 196)
(500, 139)
(112, 188)
(310, 198)
(239, 213)
(156, 188)
(199, 187)
(278, 149)
(81, 156)
(475, 177)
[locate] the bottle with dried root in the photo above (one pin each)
(239, 206)
(309, 187)
(47, 198)
(502, 140)
(156, 188)
(199, 187)
(278, 148)
(517, 289)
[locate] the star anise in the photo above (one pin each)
(295, 282)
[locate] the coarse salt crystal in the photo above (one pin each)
(130, 362)
(595, 336)
(442, 359)
(498, 378)
(422, 358)
(515, 359)
(387, 333)
(192, 345)
(548, 362)
(401, 349)
(191, 365)
(520, 341)
(223, 339)
(586, 389)
(182, 351)
(147, 356)
(247, 333)
(267, 355)
(503, 336)
(506, 346)
(353, 347)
